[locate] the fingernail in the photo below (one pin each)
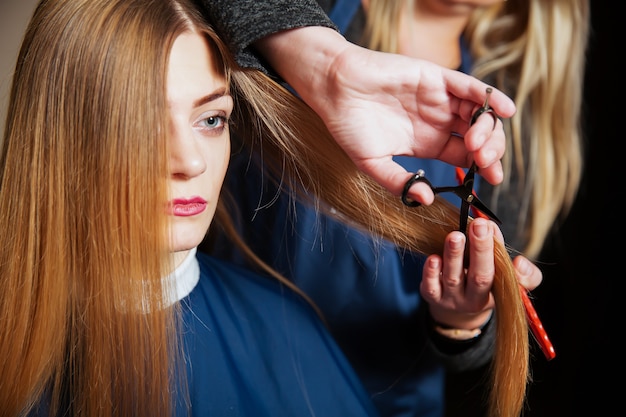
(480, 228)
(456, 241)
(523, 266)
(434, 262)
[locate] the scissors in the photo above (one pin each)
(465, 191)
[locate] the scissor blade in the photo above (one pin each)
(468, 180)
(463, 216)
(480, 206)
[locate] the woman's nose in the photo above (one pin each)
(186, 160)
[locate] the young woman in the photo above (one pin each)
(111, 170)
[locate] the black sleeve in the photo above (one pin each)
(462, 355)
(242, 22)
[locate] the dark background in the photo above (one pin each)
(581, 263)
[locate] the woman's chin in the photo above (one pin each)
(185, 244)
(187, 236)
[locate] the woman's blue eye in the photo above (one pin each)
(213, 121)
(213, 125)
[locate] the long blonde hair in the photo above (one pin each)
(533, 50)
(83, 165)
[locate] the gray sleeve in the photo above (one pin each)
(242, 22)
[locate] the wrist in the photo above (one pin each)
(458, 334)
(465, 331)
(454, 320)
(306, 70)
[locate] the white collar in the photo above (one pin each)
(183, 280)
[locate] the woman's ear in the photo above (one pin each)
(365, 4)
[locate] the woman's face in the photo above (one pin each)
(199, 109)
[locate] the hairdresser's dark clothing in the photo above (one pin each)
(242, 22)
(255, 348)
(368, 291)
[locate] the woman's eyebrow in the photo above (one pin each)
(210, 97)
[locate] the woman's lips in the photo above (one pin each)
(187, 207)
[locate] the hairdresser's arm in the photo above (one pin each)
(376, 105)
(459, 299)
(379, 105)
(240, 23)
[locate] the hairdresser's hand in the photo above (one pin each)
(378, 105)
(462, 299)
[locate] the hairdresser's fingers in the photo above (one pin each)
(483, 143)
(430, 287)
(442, 287)
(481, 263)
(392, 173)
(453, 274)
(474, 91)
(498, 235)
(487, 148)
(528, 274)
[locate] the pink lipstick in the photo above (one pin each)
(183, 207)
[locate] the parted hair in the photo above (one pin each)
(83, 164)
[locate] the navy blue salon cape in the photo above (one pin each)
(255, 348)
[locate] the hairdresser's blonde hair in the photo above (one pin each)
(533, 50)
(83, 165)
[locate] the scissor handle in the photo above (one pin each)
(419, 176)
(485, 109)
